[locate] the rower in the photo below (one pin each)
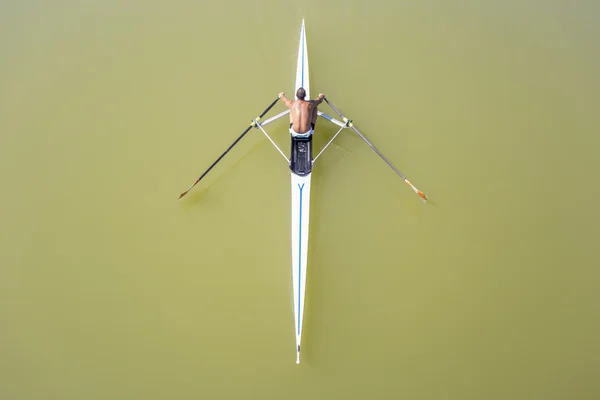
(303, 113)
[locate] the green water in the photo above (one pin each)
(110, 288)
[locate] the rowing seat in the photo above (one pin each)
(301, 156)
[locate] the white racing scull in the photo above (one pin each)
(300, 163)
(301, 166)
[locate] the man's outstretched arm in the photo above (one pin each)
(285, 100)
(319, 99)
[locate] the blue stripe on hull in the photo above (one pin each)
(299, 257)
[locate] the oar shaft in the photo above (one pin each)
(384, 158)
(349, 123)
(378, 152)
(252, 124)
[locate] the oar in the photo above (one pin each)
(252, 125)
(349, 124)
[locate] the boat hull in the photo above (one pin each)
(301, 167)
(300, 226)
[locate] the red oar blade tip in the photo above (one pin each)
(417, 191)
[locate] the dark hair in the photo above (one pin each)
(301, 93)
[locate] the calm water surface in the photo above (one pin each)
(112, 289)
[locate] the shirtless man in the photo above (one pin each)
(303, 113)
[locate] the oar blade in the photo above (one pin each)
(190, 188)
(417, 191)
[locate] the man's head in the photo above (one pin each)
(301, 94)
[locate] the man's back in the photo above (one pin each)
(303, 113)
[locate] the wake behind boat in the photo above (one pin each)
(301, 162)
